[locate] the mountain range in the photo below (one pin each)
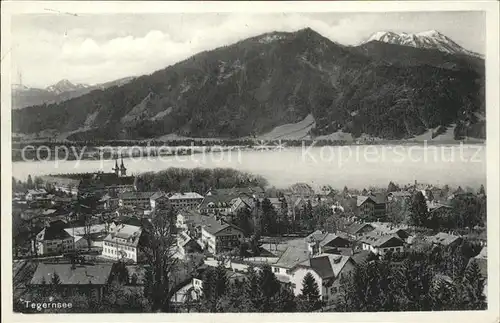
(381, 89)
(23, 96)
(430, 39)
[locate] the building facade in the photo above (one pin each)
(185, 200)
(122, 244)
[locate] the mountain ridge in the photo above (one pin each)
(429, 39)
(250, 87)
(24, 96)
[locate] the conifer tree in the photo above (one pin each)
(310, 293)
(418, 209)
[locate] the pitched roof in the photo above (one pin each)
(379, 240)
(125, 234)
(54, 232)
(321, 265)
(213, 225)
(443, 238)
(238, 190)
(80, 275)
(219, 201)
(292, 257)
(377, 198)
(157, 195)
(329, 238)
(317, 235)
(400, 193)
(389, 228)
(326, 265)
(302, 188)
(136, 195)
(354, 228)
(483, 254)
(61, 180)
(186, 195)
(361, 256)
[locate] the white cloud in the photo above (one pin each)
(95, 49)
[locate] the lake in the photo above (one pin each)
(353, 166)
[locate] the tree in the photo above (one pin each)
(55, 280)
(269, 218)
(392, 187)
(29, 183)
(215, 285)
(418, 209)
(284, 223)
(158, 245)
(309, 294)
(38, 182)
(473, 288)
(481, 190)
(397, 211)
(244, 221)
(251, 288)
(269, 287)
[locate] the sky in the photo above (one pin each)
(91, 48)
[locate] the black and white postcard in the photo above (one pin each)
(166, 160)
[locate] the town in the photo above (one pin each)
(112, 242)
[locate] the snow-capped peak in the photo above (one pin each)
(429, 39)
(65, 86)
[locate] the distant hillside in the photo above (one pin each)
(252, 87)
(23, 96)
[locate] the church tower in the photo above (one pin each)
(123, 170)
(116, 169)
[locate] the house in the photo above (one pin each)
(324, 242)
(216, 204)
(159, 200)
(109, 202)
(192, 291)
(53, 240)
(356, 230)
(189, 220)
(185, 200)
(328, 270)
(277, 203)
(64, 184)
(380, 244)
(387, 228)
(97, 233)
(292, 256)
(218, 235)
(240, 203)
(435, 207)
(398, 196)
(371, 206)
(122, 243)
(60, 201)
(80, 278)
(303, 190)
(186, 245)
(445, 240)
(251, 191)
(140, 200)
(35, 194)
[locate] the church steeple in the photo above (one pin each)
(116, 169)
(123, 170)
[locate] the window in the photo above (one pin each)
(288, 271)
(276, 270)
(333, 290)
